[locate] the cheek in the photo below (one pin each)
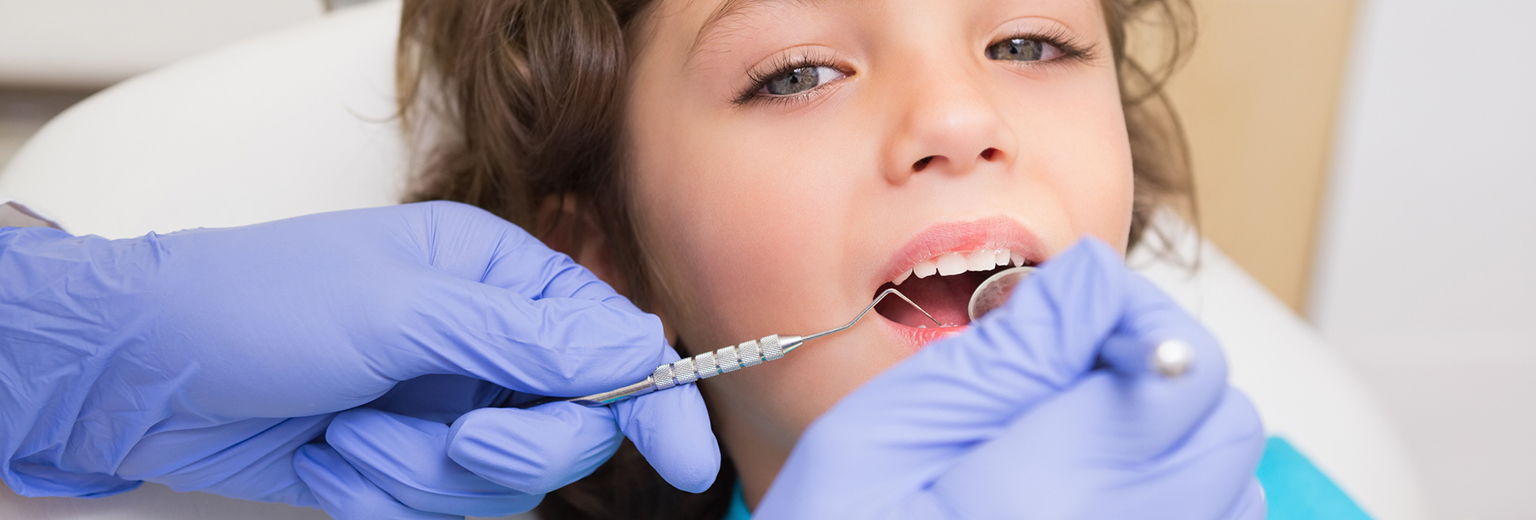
(748, 226)
(744, 221)
(1078, 150)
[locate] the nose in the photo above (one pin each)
(947, 126)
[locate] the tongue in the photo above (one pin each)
(945, 297)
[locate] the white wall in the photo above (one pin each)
(1426, 272)
(95, 43)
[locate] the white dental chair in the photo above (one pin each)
(301, 121)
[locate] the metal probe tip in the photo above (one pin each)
(870, 307)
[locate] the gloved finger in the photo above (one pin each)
(933, 406)
(1065, 457)
(1151, 318)
(473, 244)
(345, 494)
(537, 450)
(439, 398)
(552, 346)
(248, 460)
(406, 457)
(671, 429)
(1157, 411)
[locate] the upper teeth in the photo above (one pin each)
(955, 263)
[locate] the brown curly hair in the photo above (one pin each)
(513, 103)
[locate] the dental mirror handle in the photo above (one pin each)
(1171, 358)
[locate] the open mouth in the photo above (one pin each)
(943, 285)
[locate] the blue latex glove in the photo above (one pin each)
(208, 359)
(1011, 420)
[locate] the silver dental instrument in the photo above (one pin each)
(1171, 358)
(711, 364)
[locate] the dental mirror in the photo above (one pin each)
(994, 292)
(1171, 358)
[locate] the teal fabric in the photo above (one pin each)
(738, 510)
(1296, 489)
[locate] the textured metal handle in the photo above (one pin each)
(690, 369)
(728, 359)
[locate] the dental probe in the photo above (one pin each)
(1171, 358)
(711, 364)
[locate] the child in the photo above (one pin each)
(748, 167)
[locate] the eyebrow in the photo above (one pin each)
(729, 10)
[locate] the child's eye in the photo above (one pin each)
(1024, 49)
(797, 80)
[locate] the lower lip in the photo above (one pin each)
(915, 339)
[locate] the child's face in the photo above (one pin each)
(912, 128)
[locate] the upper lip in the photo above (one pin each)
(962, 236)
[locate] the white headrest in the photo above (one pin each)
(212, 141)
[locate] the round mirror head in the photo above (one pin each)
(994, 292)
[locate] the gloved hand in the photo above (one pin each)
(208, 359)
(1010, 419)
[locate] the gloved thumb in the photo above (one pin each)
(345, 493)
(671, 429)
(546, 447)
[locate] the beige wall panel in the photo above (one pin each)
(1257, 98)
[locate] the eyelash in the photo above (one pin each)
(1071, 50)
(783, 64)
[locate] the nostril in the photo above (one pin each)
(986, 155)
(922, 163)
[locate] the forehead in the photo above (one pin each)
(728, 13)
